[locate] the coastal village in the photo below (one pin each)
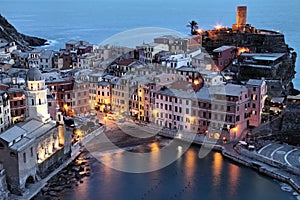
(231, 86)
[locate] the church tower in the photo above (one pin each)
(36, 94)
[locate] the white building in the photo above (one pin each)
(177, 61)
(5, 117)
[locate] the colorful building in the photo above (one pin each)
(17, 104)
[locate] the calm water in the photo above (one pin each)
(187, 178)
(96, 20)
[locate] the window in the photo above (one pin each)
(253, 105)
(31, 151)
(15, 103)
(24, 157)
(32, 102)
(254, 89)
(228, 108)
(40, 102)
(49, 104)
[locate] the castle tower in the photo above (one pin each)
(241, 16)
(241, 19)
(36, 94)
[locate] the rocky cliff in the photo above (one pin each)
(9, 33)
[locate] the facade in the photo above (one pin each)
(223, 56)
(80, 98)
(103, 99)
(261, 65)
(61, 89)
(17, 104)
(53, 108)
(219, 111)
(173, 106)
(147, 52)
(94, 79)
(33, 60)
(121, 93)
(5, 117)
(257, 93)
(20, 58)
(46, 60)
(177, 61)
(180, 45)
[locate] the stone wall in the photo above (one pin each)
(266, 41)
(291, 117)
(51, 163)
(3, 185)
(269, 127)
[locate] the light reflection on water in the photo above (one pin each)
(187, 178)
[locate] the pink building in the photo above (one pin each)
(173, 106)
(223, 56)
(52, 106)
(257, 93)
(222, 111)
(219, 111)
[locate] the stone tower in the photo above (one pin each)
(241, 19)
(36, 94)
(241, 16)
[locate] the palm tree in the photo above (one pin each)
(194, 26)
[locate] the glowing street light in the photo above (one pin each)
(218, 27)
(199, 31)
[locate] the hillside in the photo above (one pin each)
(8, 32)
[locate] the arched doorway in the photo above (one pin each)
(29, 180)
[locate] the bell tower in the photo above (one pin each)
(36, 94)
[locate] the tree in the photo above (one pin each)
(194, 26)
